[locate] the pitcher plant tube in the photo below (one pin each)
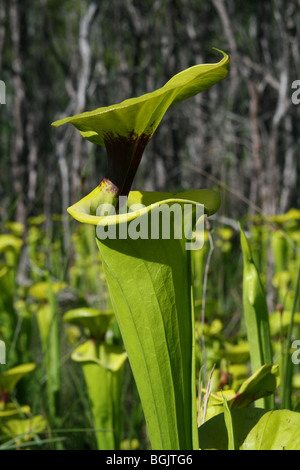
(103, 367)
(149, 277)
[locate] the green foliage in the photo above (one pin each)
(262, 383)
(10, 378)
(254, 429)
(103, 371)
(143, 275)
(22, 430)
(225, 339)
(256, 316)
(151, 286)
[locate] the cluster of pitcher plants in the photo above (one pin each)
(142, 318)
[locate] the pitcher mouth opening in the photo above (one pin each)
(175, 219)
(166, 215)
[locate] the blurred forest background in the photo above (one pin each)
(63, 57)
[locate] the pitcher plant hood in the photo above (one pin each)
(126, 128)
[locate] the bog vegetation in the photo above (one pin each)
(47, 397)
(105, 347)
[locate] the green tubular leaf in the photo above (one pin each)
(279, 248)
(104, 389)
(103, 371)
(255, 429)
(142, 115)
(44, 318)
(256, 316)
(157, 328)
(154, 309)
(153, 305)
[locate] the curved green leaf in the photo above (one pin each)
(261, 384)
(135, 117)
(10, 378)
(95, 320)
(255, 429)
(126, 128)
(81, 210)
(105, 355)
(276, 430)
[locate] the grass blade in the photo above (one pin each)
(256, 317)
